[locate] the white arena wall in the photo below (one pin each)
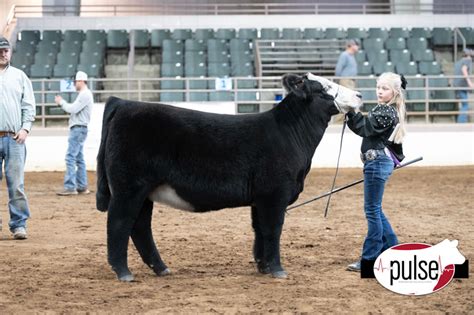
(439, 144)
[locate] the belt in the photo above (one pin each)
(78, 126)
(371, 154)
(6, 133)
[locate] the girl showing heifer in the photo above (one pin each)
(383, 130)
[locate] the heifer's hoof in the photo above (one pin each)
(282, 274)
(126, 278)
(263, 268)
(163, 273)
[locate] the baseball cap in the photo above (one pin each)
(352, 41)
(81, 76)
(4, 43)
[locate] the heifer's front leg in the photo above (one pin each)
(120, 220)
(143, 239)
(271, 221)
(258, 242)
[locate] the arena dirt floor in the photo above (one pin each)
(62, 267)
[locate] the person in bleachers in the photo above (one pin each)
(17, 113)
(347, 65)
(463, 67)
(75, 179)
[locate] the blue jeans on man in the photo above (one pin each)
(13, 156)
(463, 96)
(76, 174)
(380, 235)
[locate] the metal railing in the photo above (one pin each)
(244, 9)
(255, 99)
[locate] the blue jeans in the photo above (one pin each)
(76, 174)
(380, 235)
(14, 155)
(462, 95)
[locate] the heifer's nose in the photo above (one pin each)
(359, 95)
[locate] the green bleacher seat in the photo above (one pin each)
(74, 35)
(170, 56)
(195, 45)
(172, 84)
(396, 32)
(173, 45)
(64, 70)
(41, 70)
(369, 82)
(313, 33)
(364, 68)
(418, 81)
(361, 56)
(242, 70)
(368, 96)
(239, 45)
(420, 32)
(407, 68)
(195, 57)
(117, 39)
(416, 95)
(397, 56)
(91, 58)
(218, 70)
(246, 96)
(217, 45)
(67, 58)
(359, 33)
(53, 86)
(181, 34)
(241, 56)
(221, 96)
(248, 33)
(96, 35)
(225, 33)
(269, 33)
(291, 33)
(29, 36)
(395, 43)
(442, 36)
(217, 56)
(375, 32)
(429, 67)
(422, 55)
(438, 94)
(54, 110)
(199, 84)
(71, 46)
(381, 67)
(142, 38)
(47, 47)
(92, 70)
(373, 44)
(24, 67)
(25, 46)
(195, 70)
(198, 97)
(51, 36)
(379, 56)
(158, 36)
(249, 83)
(172, 97)
(172, 70)
(468, 33)
(333, 32)
(417, 43)
(45, 58)
(204, 33)
(21, 57)
(90, 46)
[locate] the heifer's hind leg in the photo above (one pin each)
(143, 239)
(258, 242)
(122, 214)
(271, 218)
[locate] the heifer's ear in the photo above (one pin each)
(296, 84)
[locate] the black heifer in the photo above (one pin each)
(201, 162)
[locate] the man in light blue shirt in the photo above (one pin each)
(75, 179)
(17, 113)
(347, 65)
(463, 69)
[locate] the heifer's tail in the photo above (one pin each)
(103, 191)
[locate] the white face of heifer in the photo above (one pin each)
(345, 99)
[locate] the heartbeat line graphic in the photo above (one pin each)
(446, 268)
(380, 266)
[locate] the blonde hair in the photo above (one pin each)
(394, 81)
